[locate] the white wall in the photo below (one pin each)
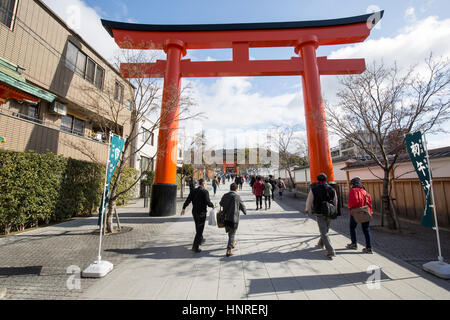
(440, 168)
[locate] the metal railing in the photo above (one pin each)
(44, 123)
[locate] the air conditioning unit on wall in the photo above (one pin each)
(58, 108)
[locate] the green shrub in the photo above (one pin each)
(37, 188)
(129, 175)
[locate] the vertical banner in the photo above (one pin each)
(115, 152)
(417, 153)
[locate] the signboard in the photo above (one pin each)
(419, 157)
(115, 152)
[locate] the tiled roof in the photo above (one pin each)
(434, 153)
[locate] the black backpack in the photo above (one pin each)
(323, 196)
(329, 210)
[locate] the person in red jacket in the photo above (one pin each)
(357, 198)
(258, 190)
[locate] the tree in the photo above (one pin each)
(186, 170)
(286, 140)
(378, 107)
(109, 113)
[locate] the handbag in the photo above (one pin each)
(362, 214)
(329, 210)
(220, 218)
(212, 217)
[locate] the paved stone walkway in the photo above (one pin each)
(275, 258)
(34, 264)
(414, 244)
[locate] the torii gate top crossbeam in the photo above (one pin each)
(217, 36)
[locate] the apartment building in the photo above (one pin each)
(57, 93)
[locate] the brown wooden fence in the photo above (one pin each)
(408, 194)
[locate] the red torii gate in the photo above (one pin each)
(304, 36)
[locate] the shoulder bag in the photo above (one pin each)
(220, 218)
(362, 214)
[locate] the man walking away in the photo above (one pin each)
(215, 183)
(191, 184)
(274, 184)
(281, 187)
(258, 190)
(237, 180)
(200, 201)
(357, 198)
(252, 181)
(320, 192)
(267, 192)
(232, 204)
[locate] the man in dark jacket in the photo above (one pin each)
(273, 183)
(232, 204)
(200, 201)
(191, 184)
(322, 191)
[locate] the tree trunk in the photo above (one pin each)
(386, 207)
(109, 217)
(117, 219)
(292, 184)
(181, 187)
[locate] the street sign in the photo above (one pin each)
(418, 154)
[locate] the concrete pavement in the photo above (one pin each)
(275, 258)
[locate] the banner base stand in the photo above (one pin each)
(98, 269)
(440, 269)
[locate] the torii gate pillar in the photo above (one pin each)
(316, 126)
(164, 190)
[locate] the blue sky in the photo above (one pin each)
(409, 30)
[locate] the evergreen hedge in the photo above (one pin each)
(43, 188)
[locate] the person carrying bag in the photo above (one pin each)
(232, 205)
(360, 205)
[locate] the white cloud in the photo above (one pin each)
(86, 22)
(411, 46)
(233, 108)
(410, 15)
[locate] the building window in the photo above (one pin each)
(71, 56)
(90, 71)
(81, 64)
(78, 127)
(145, 164)
(118, 92)
(148, 136)
(33, 112)
(73, 125)
(67, 123)
(99, 77)
(7, 12)
(75, 59)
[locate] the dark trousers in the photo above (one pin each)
(366, 230)
(199, 227)
(240, 186)
(259, 200)
(215, 188)
(266, 198)
(231, 237)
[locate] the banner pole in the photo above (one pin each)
(440, 258)
(99, 257)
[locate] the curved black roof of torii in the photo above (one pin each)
(110, 25)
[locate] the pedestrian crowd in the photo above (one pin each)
(322, 202)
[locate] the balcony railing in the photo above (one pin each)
(53, 126)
